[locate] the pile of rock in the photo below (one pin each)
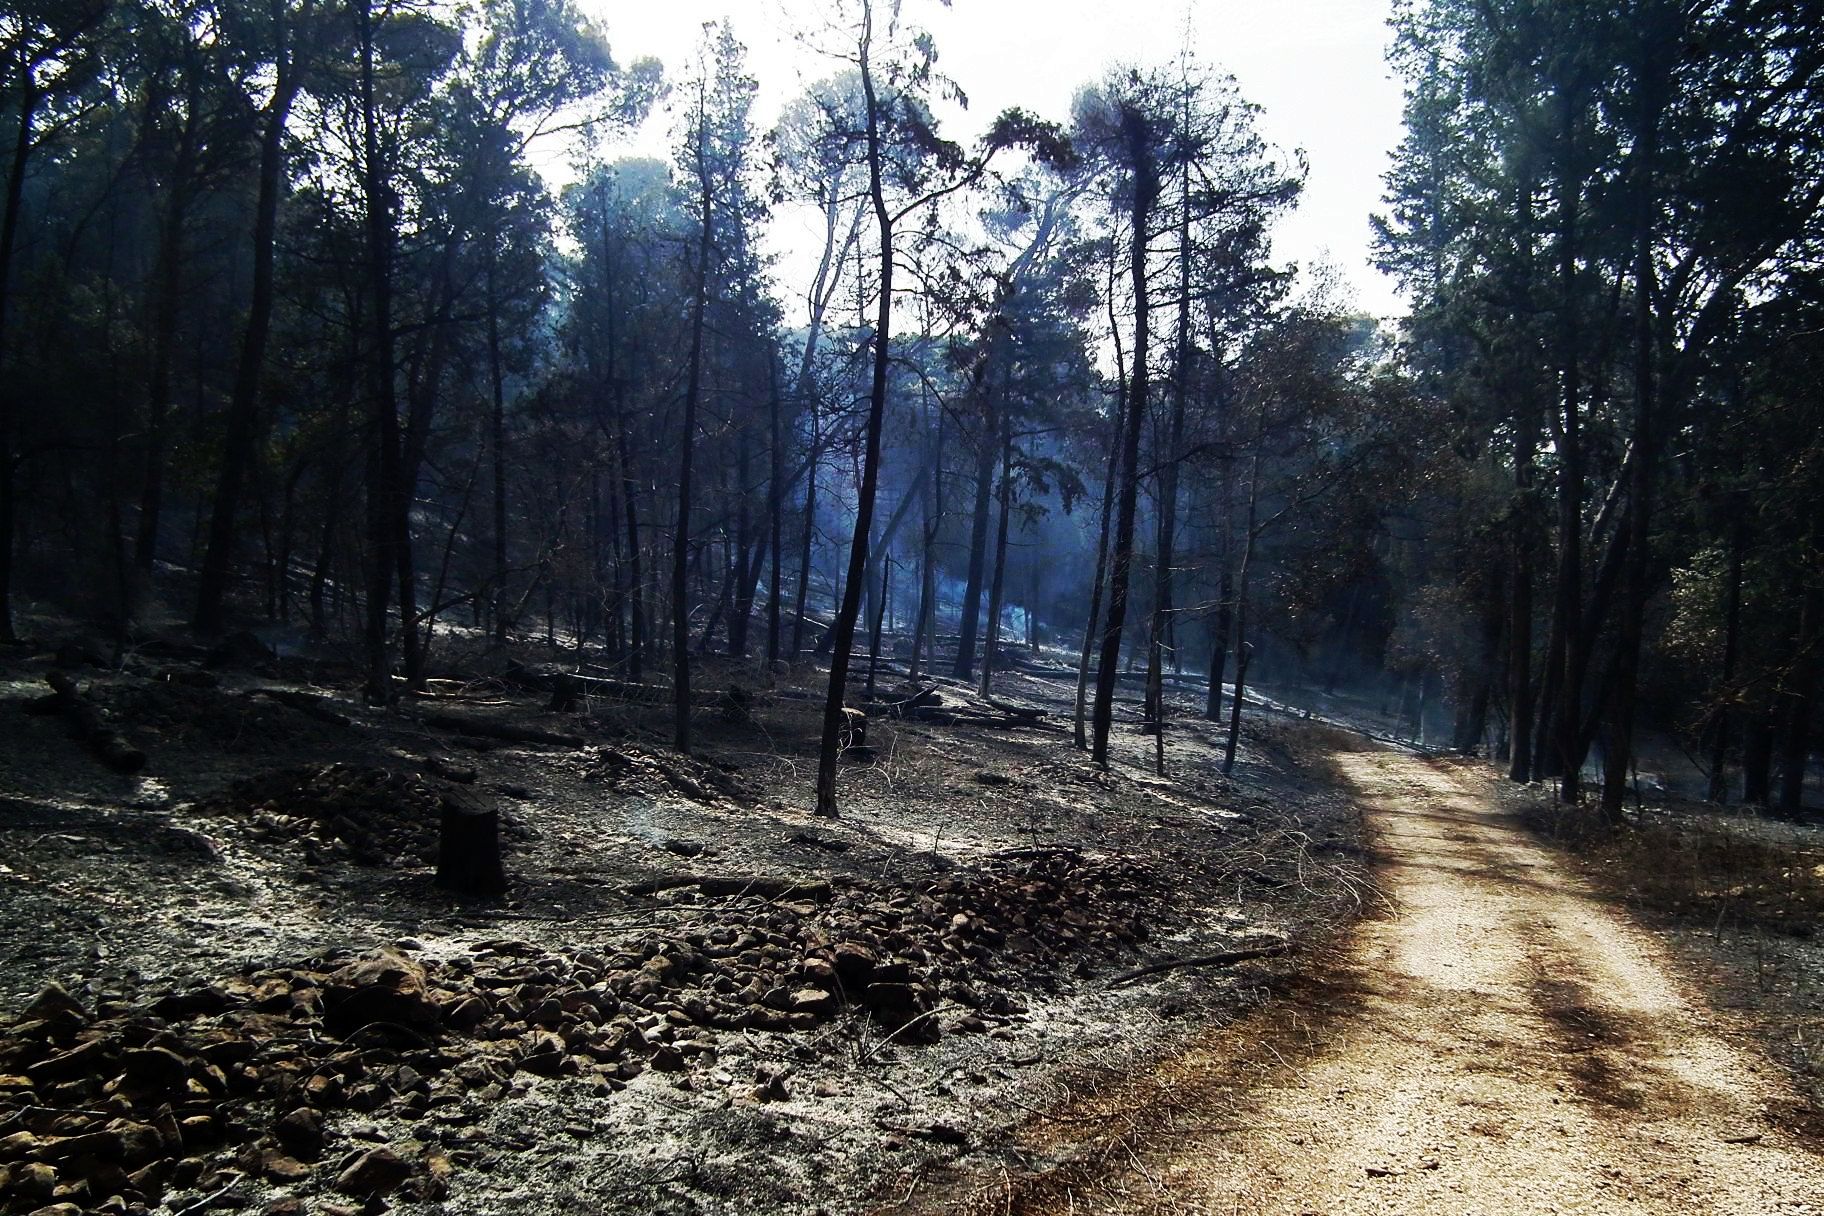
(106, 1111)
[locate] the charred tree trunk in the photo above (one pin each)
(964, 668)
(834, 710)
(1093, 619)
(997, 589)
(383, 506)
(775, 507)
(1145, 192)
(1570, 488)
(927, 564)
(880, 617)
(29, 97)
(1732, 645)
(693, 391)
(636, 587)
(1118, 429)
(1168, 492)
(1520, 608)
(243, 404)
(1621, 696)
(1243, 647)
(1757, 760)
(1799, 699)
(1225, 588)
(804, 544)
(170, 264)
(497, 446)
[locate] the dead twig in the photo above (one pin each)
(1227, 958)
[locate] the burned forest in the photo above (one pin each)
(885, 607)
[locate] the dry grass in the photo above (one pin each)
(1740, 897)
(1694, 863)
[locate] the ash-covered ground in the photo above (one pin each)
(229, 982)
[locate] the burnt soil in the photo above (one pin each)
(229, 982)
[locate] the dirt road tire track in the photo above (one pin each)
(1504, 1043)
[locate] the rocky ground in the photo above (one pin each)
(233, 985)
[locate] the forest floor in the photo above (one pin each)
(1505, 1039)
(229, 983)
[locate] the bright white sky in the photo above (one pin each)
(1315, 67)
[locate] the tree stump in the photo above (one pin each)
(854, 730)
(468, 850)
(737, 705)
(566, 695)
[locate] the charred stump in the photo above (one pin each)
(566, 695)
(468, 849)
(854, 729)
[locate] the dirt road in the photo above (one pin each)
(1504, 1043)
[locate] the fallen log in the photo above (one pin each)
(737, 884)
(1015, 711)
(87, 724)
(963, 715)
(820, 842)
(925, 698)
(480, 728)
(1226, 959)
(307, 703)
(568, 687)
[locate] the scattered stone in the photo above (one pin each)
(813, 1000)
(386, 987)
(378, 1171)
(54, 1004)
(157, 1068)
(301, 1133)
